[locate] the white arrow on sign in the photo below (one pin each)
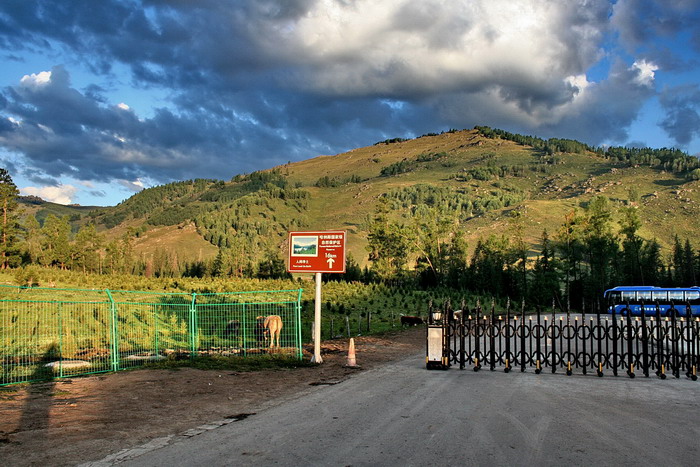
(330, 262)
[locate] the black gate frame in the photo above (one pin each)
(594, 343)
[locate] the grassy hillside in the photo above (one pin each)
(550, 186)
(499, 185)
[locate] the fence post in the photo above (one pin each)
(298, 324)
(244, 321)
(477, 345)
(614, 342)
(552, 328)
(155, 330)
(492, 337)
(645, 342)
(674, 343)
(688, 348)
(696, 342)
(462, 337)
(583, 324)
(522, 336)
(599, 372)
(60, 338)
(661, 370)
(538, 361)
(507, 329)
(630, 348)
(193, 324)
(114, 334)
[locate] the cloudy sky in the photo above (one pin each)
(99, 99)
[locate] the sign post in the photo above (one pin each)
(317, 252)
(316, 358)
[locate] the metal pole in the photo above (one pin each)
(298, 324)
(193, 326)
(317, 322)
(114, 334)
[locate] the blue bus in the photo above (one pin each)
(668, 299)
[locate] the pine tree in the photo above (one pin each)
(85, 248)
(55, 233)
(569, 246)
(651, 263)
(32, 239)
(9, 254)
(632, 271)
(689, 269)
(272, 267)
(601, 248)
(217, 267)
(545, 280)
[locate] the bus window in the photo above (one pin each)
(692, 295)
(614, 296)
(628, 295)
(659, 295)
(644, 295)
(675, 295)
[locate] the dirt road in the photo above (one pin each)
(67, 422)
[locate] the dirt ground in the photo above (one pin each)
(71, 421)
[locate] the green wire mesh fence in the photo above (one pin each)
(47, 332)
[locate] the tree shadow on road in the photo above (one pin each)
(36, 412)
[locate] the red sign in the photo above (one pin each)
(322, 251)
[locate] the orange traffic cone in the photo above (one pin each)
(351, 354)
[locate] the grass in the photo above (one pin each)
(188, 244)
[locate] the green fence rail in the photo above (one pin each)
(48, 332)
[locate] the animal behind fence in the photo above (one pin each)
(99, 331)
(272, 326)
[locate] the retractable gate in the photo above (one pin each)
(567, 342)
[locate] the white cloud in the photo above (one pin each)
(402, 46)
(123, 106)
(580, 82)
(645, 72)
(134, 186)
(36, 79)
(62, 194)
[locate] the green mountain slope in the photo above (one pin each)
(485, 178)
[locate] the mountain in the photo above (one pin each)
(486, 178)
(41, 209)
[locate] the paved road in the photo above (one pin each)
(402, 414)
